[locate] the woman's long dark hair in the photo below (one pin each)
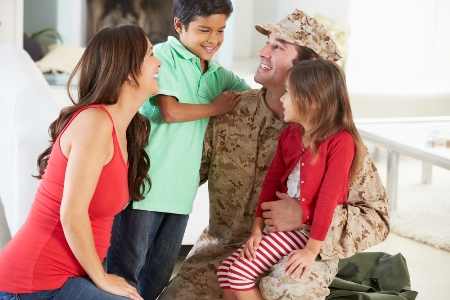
(320, 97)
(112, 54)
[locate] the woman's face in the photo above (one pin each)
(148, 79)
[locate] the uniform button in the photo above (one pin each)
(303, 164)
(307, 217)
(302, 181)
(303, 199)
(309, 223)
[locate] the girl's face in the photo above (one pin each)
(290, 115)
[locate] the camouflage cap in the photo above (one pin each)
(300, 29)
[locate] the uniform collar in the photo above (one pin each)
(275, 122)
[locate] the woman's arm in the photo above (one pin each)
(173, 111)
(87, 150)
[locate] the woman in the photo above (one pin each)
(96, 162)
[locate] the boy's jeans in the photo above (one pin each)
(75, 288)
(144, 248)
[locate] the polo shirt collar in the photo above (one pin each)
(188, 55)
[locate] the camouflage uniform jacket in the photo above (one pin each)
(238, 149)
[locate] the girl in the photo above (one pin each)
(316, 158)
(96, 161)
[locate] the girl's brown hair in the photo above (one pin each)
(319, 94)
(112, 54)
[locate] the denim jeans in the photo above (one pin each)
(75, 288)
(144, 248)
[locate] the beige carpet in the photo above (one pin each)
(423, 210)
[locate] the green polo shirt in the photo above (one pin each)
(175, 149)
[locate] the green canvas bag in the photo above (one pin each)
(372, 276)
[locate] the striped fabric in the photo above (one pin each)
(240, 274)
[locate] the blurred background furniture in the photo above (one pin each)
(27, 107)
(423, 138)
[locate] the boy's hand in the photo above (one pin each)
(299, 262)
(251, 246)
(225, 102)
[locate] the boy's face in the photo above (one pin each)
(204, 35)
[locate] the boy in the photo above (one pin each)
(147, 236)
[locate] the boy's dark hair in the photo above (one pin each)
(188, 10)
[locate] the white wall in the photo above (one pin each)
(393, 42)
(336, 10)
(11, 22)
(39, 15)
(441, 72)
(71, 21)
(243, 28)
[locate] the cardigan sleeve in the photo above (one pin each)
(334, 188)
(273, 180)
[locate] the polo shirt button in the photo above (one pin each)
(303, 164)
(302, 181)
(303, 199)
(307, 217)
(309, 223)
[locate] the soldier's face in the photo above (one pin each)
(276, 59)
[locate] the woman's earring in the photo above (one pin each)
(132, 82)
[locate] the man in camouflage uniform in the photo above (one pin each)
(238, 149)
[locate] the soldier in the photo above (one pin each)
(238, 149)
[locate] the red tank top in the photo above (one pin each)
(38, 257)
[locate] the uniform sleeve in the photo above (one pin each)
(168, 79)
(207, 152)
(232, 82)
(272, 181)
(364, 221)
(339, 156)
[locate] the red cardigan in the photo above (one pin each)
(323, 184)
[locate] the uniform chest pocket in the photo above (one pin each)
(230, 177)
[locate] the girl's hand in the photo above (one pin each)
(251, 246)
(116, 285)
(299, 262)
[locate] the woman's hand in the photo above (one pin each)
(251, 246)
(299, 262)
(116, 285)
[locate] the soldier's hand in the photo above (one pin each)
(284, 214)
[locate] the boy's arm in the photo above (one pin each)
(172, 111)
(233, 82)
